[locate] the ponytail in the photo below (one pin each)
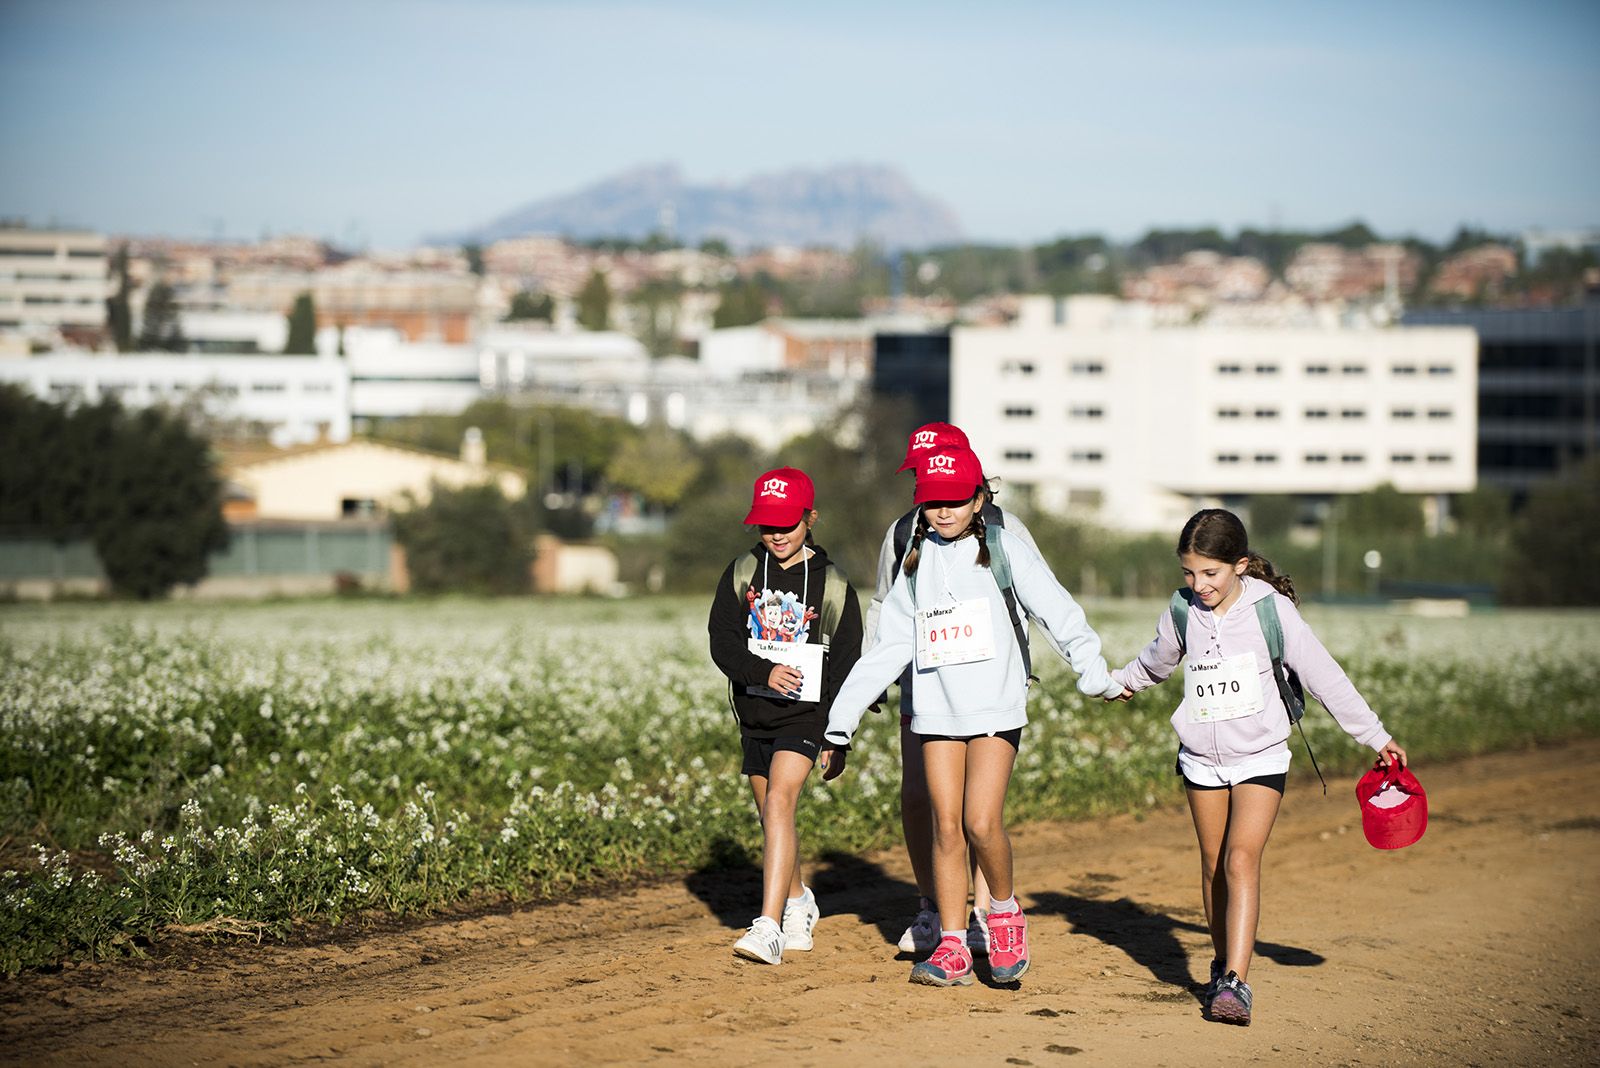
(980, 530)
(1260, 567)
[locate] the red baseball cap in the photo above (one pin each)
(950, 474)
(1394, 806)
(931, 437)
(782, 496)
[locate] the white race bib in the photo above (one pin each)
(1228, 688)
(803, 655)
(960, 633)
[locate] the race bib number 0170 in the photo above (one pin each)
(961, 633)
(1228, 688)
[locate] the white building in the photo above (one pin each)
(234, 332)
(51, 279)
(289, 398)
(1087, 406)
(390, 376)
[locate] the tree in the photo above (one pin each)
(1379, 512)
(141, 487)
(656, 306)
(716, 246)
(469, 540)
(474, 255)
(119, 311)
(659, 466)
(302, 328)
(743, 303)
(527, 304)
(160, 331)
(1553, 554)
(594, 302)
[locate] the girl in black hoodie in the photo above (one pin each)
(786, 630)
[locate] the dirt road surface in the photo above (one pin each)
(1478, 946)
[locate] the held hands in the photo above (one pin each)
(831, 761)
(1125, 696)
(1390, 753)
(786, 679)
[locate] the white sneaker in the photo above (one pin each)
(799, 921)
(763, 942)
(978, 933)
(923, 934)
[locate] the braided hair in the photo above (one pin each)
(1218, 534)
(923, 528)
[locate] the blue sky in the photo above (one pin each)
(375, 123)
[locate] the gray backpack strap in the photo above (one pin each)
(744, 573)
(1000, 568)
(835, 588)
(1180, 618)
(1288, 687)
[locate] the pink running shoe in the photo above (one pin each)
(1008, 945)
(950, 965)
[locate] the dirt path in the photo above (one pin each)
(1477, 946)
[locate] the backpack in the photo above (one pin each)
(1289, 687)
(999, 567)
(835, 588)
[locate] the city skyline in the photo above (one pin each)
(374, 125)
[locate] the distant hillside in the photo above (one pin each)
(835, 207)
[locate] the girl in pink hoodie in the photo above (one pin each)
(1233, 729)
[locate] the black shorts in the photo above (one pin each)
(1014, 736)
(758, 752)
(1272, 782)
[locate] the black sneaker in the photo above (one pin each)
(1231, 1002)
(1209, 991)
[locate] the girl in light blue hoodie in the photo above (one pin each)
(1233, 729)
(946, 615)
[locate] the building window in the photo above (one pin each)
(1266, 457)
(1227, 457)
(1266, 368)
(1403, 413)
(1088, 367)
(1353, 458)
(1438, 457)
(1317, 369)
(1439, 413)
(1228, 413)
(317, 387)
(1087, 456)
(1266, 413)
(269, 387)
(1019, 411)
(1229, 369)
(1316, 457)
(1021, 455)
(1016, 367)
(1402, 458)
(1441, 369)
(1353, 369)
(1087, 412)
(1316, 413)
(1402, 369)
(1352, 413)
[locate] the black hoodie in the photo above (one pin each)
(731, 627)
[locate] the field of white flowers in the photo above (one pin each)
(242, 769)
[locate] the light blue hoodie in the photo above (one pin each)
(988, 695)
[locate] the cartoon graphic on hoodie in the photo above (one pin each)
(778, 615)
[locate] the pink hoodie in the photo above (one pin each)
(1237, 741)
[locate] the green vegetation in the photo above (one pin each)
(248, 770)
(468, 540)
(302, 328)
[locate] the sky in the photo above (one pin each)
(374, 123)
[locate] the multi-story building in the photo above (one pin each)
(914, 367)
(290, 399)
(1538, 389)
(52, 280)
(1086, 405)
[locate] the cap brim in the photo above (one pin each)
(943, 490)
(786, 517)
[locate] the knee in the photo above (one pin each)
(985, 830)
(947, 832)
(1242, 864)
(780, 806)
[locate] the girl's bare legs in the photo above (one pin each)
(967, 784)
(916, 811)
(777, 798)
(989, 764)
(1232, 826)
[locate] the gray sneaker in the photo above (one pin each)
(1209, 991)
(923, 934)
(763, 942)
(1231, 1002)
(799, 921)
(978, 933)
